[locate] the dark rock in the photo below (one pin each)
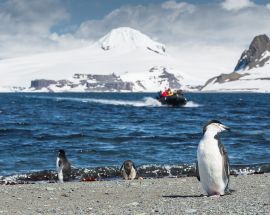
(225, 78)
(41, 83)
(156, 51)
(253, 56)
(91, 82)
(141, 85)
(120, 86)
(62, 83)
(173, 81)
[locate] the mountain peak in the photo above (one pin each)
(256, 55)
(128, 38)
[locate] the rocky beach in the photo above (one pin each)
(251, 195)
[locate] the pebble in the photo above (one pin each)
(50, 188)
(191, 211)
(133, 204)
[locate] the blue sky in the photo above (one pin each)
(32, 26)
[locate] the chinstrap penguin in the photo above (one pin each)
(128, 170)
(212, 165)
(63, 166)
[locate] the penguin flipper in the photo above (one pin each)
(136, 170)
(135, 167)
(58, 164)
(226, 164)
(121, 168)
(197, 171)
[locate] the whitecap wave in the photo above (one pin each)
(191, 104)
(145, 102)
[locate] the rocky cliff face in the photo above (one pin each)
(256, 55)
(157, 79)
(41, 83)
(252, 60)
(83, 82)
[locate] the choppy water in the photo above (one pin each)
(104, 129)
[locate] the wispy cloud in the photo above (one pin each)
(237, 4)
(177, 23)
(30, 16)
(27, 26)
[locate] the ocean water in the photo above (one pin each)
(100, 130)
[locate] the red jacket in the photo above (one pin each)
(164, 94)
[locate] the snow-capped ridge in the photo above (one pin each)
(255, 55)
(251, 72)
(128, 38)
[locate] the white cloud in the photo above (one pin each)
(177, 8)
(173, 5)
(26, 26)
(30, 16)
(205, 24)
(236, 5)
(268, 6)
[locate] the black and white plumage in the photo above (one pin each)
(212, 165)
(63, 166)
(128, 170)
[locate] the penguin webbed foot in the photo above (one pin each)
(229, 191)
(215, 194)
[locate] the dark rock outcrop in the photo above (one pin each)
(253, 57)
(250, 58)
(41, 83)
(90, 82)
(98, 78)
(172, 80)
(225, 78)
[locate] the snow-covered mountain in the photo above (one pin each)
(122, 60)
(127, 38)
(251, 73)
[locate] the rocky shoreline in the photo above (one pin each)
(147, 196)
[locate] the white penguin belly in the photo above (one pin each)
(210, 164)
(59, 170)
(131, 176)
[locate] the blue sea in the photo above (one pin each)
(99, 131)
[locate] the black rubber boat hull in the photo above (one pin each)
(174, 100)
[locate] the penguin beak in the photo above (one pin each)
(225, 128)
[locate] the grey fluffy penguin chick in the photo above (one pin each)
(63, 166)
(128, 170)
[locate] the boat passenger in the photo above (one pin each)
(164, 94)
(169, 92)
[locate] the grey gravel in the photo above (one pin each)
(138, 197)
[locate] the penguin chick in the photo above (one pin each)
(128, 170)
(63, 166)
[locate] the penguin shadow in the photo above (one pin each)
(230, 192)
(183, 196)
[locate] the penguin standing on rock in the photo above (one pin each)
(63, 166)
(128, 170)
(212, 165)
